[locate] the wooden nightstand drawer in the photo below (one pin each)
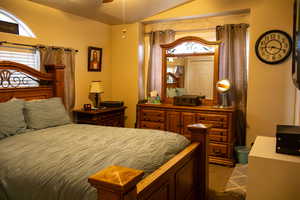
(103, 117)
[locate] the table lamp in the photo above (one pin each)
(223, 87)
(96, 88)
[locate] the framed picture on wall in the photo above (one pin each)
(94, 59)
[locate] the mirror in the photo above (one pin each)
(190, 67)
(190, 75)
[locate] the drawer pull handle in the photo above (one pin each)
(217, 151)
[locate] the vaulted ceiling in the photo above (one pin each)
(112, 12)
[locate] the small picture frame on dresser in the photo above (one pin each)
(87, 107)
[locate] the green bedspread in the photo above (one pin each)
(55, 163)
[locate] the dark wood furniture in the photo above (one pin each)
(184, 177)
(105, 117)
(166, 54)
(14, 79)
(177, 118)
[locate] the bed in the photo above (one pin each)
(74, 161)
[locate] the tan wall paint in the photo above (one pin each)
(125, 62)
(54, 27)
(271, 93)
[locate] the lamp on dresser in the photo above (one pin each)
(96, 88)
(223, 87)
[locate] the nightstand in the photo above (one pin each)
(105, 117)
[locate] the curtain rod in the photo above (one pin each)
(33, 46)
(190, 30)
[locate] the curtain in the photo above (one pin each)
(233, 66)
(59, 56)
(155, 59)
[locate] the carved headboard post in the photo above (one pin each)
(58, 73)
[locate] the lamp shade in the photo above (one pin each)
(96, 87)
(223, 86)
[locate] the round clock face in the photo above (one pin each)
(273, 46)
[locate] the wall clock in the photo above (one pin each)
(273, 46)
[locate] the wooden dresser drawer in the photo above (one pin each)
(219, 150)
(217, 138)
(152, 125)
(153, 115)
(218, 135)
(215, 124)
(220, 132)
(212, 117)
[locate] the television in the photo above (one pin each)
(296, 47)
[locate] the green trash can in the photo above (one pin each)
(242, 154)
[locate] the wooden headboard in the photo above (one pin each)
(21, 81)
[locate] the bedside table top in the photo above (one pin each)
(107, 109)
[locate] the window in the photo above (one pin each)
(30, 59)
(15, 78)
(24, 30)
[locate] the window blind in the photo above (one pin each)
(27, 58)
(18, 79)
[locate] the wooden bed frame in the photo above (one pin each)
(184, 177)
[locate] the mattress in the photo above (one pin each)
(55, 163)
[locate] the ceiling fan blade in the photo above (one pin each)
(107, 1)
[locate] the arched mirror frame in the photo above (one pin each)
(165, 47)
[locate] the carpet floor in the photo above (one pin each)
(227, 183)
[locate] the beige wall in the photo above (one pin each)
(271, 92)
(54, 27)
(125, 61)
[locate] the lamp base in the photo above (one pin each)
(224, 100)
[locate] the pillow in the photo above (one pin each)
(11, 118)
(45, 113)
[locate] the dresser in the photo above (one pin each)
(104, 117)
(176, 118)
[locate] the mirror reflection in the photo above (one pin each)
(190, 75)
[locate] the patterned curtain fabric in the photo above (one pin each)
(155, 59)
(59, 56)
(233, 66)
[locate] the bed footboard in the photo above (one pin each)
(184, 177)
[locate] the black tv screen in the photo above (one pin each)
(296, 48)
